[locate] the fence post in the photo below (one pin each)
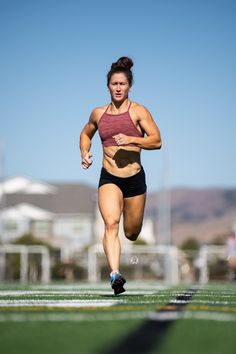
(23, 264)
(45, 266)
(92, 264)
(172, 272)
(2, 265)
(204, 276)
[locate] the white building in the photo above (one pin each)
(61, 214)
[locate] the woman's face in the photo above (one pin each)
(119, 87)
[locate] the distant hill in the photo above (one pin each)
(202, 214)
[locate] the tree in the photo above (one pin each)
(191, 244)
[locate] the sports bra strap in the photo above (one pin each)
(107, 108)
(110, 104)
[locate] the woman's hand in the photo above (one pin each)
(121, 139)
(86, 160)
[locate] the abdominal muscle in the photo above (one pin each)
(122, 161)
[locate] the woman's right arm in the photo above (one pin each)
(86, 140)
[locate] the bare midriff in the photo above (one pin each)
(122, 161)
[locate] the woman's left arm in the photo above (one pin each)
(152, 139)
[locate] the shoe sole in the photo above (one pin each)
(118, 291)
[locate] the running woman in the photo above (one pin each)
(125, 127)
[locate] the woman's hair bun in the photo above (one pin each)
(124, 63)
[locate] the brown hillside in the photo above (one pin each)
(199, 213)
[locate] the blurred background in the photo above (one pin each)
(54, 59)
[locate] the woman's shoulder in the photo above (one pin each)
(139, 108)
(97, 112)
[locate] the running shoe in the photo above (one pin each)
(117, 282)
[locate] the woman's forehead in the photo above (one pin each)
(119, 77)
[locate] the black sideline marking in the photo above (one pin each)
(151, 332)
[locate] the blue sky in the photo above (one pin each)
(54, 59)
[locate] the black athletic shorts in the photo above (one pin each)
(129, 186)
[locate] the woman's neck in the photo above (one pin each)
(119, 107)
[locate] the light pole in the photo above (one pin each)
(2, 192)
(164, 203)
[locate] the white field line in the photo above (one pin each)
(212, 316)
(199, 315)
(195, 301)
(78, 317)
(70, 302)
(220, 293)
(66, 293)
(87, 292)
(75, 302)
(96, 302)
(101, 285)
(57, 303)
(51, 293)
(136, 286)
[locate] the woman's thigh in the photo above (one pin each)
(133, 211)
(110, 201)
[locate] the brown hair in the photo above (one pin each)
(122, 65)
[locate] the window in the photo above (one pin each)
(10, 225)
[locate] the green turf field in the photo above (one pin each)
(88, 319)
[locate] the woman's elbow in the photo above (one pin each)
(158, 144)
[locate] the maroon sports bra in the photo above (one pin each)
(112, 124)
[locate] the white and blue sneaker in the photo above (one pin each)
(117, 282)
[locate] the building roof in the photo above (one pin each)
(61, 198)
(26, 186)
(26, 211)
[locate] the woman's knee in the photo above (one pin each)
(132, 235)
(111, 225)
